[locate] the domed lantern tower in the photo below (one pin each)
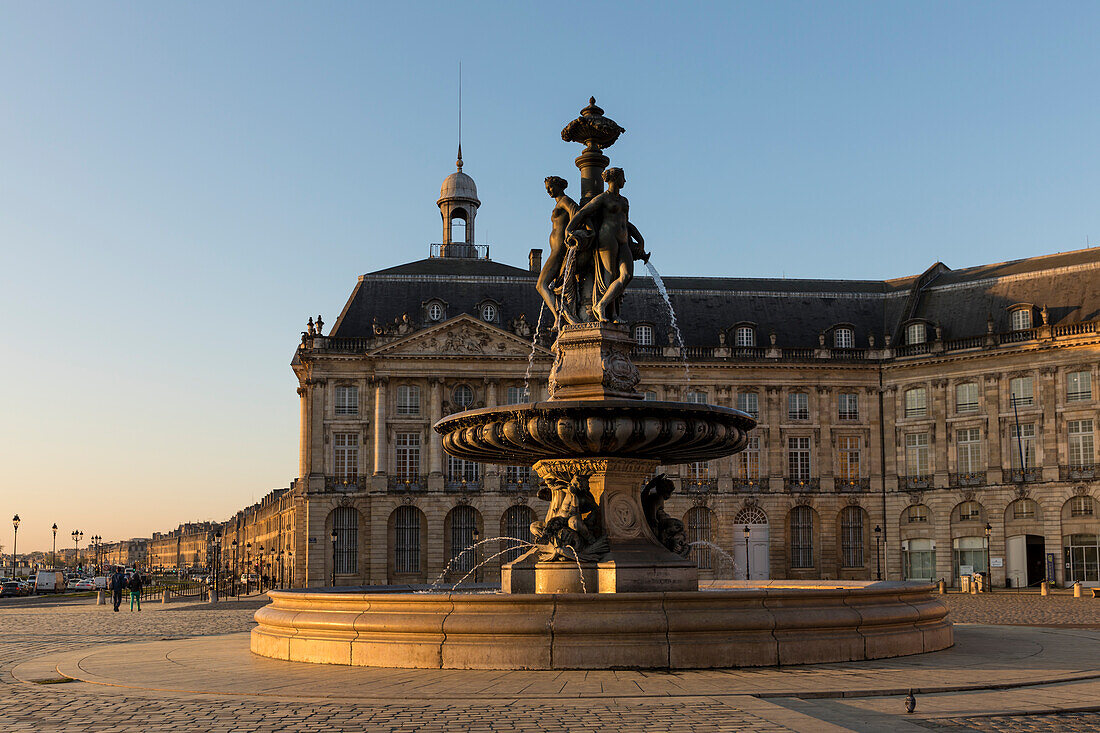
(458, 202)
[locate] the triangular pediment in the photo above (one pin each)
(463, 336)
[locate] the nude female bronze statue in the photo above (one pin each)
(617, 244)
(552, 275)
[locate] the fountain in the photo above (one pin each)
(607, 582)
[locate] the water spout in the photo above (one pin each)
(671, 315)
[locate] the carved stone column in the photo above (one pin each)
(381, 439)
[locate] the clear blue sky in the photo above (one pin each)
(182, 185)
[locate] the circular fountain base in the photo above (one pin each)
(738, 625)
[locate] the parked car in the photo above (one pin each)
(250, 578)
(85, 584)
(10, 589)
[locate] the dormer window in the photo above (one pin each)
(1021, 319)
(844, 338)
(745, 336)
(916, 333)
(643, 334)
(489, 313)
(435, 312)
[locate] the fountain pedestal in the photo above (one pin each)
(592, 362)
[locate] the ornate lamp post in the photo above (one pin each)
(236, 569)
(77, 536)
(96, 539)
(747, 532)
(14, 545)
(290, 569)
(53, 562)
(878, 553)
(333, 557)
(260, 568)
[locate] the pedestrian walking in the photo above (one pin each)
(118, 582)
(135, 591)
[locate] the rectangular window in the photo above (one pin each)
(517, 475)
(1078, 387)
(917, 455)
(408, 399)
(346, 455)
(407, 455)
(917, 513)
(798, 406)
(802, 537)
(966, 397)
(649, 395)
(798, 459)
(916, 402)
(915, 334)
(968, 448)
(847, 458)
(1021, 319)
(1023, 441)
(848, 406)
(347, 400)
(698, 471)
(460, 471)
(697, 398)
(748, 460)
(516, 396)
(1021, 392)
(1081, 450)
(749, 402)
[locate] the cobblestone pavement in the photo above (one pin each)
(1058, 723)
(1010, 607)
(28, 631)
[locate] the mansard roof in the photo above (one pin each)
(797, 310)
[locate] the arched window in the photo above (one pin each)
(969, 511)
(463, 525)
(458, 226)
(917, 514)
(1021, 319)
(751, 515)
(744, 336)
(851, 537)
(1081, 506)
(1024, 509)
(406, 549)
(463, 396)
(643, 334)
(844, 338)
(698, 530)
(489, 313)
(916, 402)
(915, 333)
(345, 520)
(802, 537)
(517, 524)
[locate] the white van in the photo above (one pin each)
(49, 581)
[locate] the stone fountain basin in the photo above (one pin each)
(741, 625)
(670, 432)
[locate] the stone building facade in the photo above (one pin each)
(186, 547)
(916, 428)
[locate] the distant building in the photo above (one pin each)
(926, 407)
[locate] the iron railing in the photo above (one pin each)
(915, 482)
(399, 483)
(1077, 473)
(971, 478)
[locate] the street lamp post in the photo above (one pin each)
(988, 570)
(96, 539)
(248, 566)
(747, 531)
(333, 557)
(54, 561)
(217, 558)
(260, 569)
(236, 570)
(878, 552)
(290, 570)
(77, 536)
(14, 546)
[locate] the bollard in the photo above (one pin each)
(213, 594)
(1077, 589)
(100, 598)
(164, 596)
(1044, 588)
(943, 587)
